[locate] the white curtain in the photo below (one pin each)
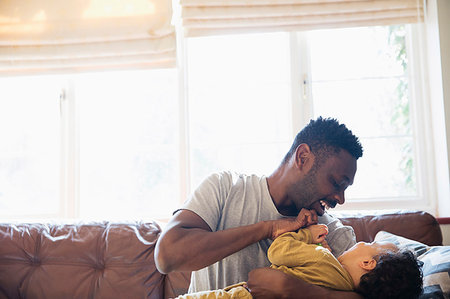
(212, 17)
(41, 36)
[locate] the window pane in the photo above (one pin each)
(29, 146)
(392, 175)
(370, 107)
(357, 52)
(359, 76)
(128, 144)
(239, 103)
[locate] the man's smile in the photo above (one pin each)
(323, 204)
(327, 204)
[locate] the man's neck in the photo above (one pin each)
(277, 183)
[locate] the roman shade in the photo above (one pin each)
(81, 35)
(212, 17)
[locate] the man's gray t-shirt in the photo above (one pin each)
(227, 200)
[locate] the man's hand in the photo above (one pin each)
(267, 283)
(307, 217)
(304, 218)
(318, 232)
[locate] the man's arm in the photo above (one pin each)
(267, 283)
(188, 244)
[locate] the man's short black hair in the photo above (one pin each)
(325, 136)
(396, 275)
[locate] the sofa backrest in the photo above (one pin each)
(418, 226)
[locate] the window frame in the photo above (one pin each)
(70, 152)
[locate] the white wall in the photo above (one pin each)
(444, 37)
(438, 41)
(446, 234)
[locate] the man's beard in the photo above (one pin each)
(304, 193)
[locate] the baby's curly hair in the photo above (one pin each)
(396, 275)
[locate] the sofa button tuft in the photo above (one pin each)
(36, 261)
(99, 267)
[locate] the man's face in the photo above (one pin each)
(324, 186)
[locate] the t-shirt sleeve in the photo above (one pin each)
(340, 237)
(207, 200)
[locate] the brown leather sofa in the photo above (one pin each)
(115, 260)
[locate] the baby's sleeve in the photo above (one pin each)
(289, 248)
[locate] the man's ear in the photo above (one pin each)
(368, 265)
(302, 155)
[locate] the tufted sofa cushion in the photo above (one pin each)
(100, 260)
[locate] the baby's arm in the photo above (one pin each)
(289, 249)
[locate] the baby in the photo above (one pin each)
(375, 270)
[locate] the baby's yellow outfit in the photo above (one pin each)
(234, 291)
(294, 254)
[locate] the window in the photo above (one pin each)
(30, 143)
(90, 146)
(361, 76)
(364, 77)
(128, 144)
(239, 103)
(133, 144)
(365, 85)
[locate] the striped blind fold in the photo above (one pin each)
(44, 36)
(213, 17)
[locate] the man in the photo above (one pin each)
(224, 230)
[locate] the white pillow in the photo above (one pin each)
(402, 242)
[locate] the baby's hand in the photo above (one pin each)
(318, 232)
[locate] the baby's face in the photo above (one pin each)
(363, 250)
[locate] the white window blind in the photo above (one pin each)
(212, 17)
(48, 36)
